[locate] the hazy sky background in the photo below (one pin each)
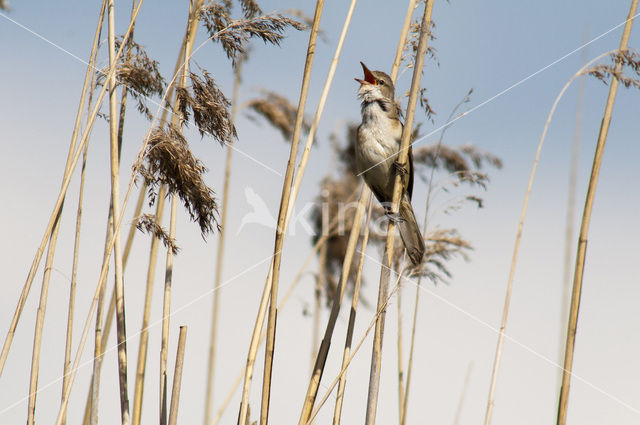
(488, 46)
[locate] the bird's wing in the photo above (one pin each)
(409, 186)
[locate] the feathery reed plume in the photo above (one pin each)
(170, 162)
(278, 111)
(4, 5)
(138, 73)
(454, 159)
(442, 245)
(628, 59)
(411, 44)
(209, 106)
(306, 20)
(234, 34)
(147, 223)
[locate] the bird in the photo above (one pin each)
(377, 148)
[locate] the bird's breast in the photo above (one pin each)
(377, 147)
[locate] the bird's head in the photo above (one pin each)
(376, 85)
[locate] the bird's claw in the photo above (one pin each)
(394, 217)
(400, 168)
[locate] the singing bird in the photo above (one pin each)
(377, 155)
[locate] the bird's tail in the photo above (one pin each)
(410, 232)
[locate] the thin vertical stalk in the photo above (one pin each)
(400, 357)
(192, 25)
(37, 340)
(405, 399)
(323, 352)
(376, 355)
(270, 290)
(516, 248)
(337, 413)
(144, 327)
(55, 215)
(166, 312)
(76, 247)
(282, 216)
(571, 206)
(463, 394)
(255, 337)
(136, 168)
(74, 277)
(318, 115)
(115, 203)
(584, 227)
(355, 351)
(321, 281)
(168, 278)
(177, 376)
(320, 243)
(220, 255)
(403, 40)
(35, 359)
(100, 341)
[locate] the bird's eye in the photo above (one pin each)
(381, 82)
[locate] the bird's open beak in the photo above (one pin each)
(368, 76)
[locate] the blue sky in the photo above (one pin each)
(488, 46)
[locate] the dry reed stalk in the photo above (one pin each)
(56, 209)
(177, 121)
(266, 28)
(74, 277)
(67, 361)
(188, 38)
(514, 259)
(318, 245)
(220, 254)
(37, 340)
(115, 208)
(401, 396)
(376, 356)
(54, 217)
(166, 312)
(282, 218)
(269, 287)
(405, 397)
(372, 324)
(402, 41)
(337, 412)
(463, 393)
(321, 282)
(35, 361)
(177, 376)
(103, 328)
(323, 351)
(91, 411)
(584, 227)
(318, 115)
(571, 206)
(65, 185)
(144, 327)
